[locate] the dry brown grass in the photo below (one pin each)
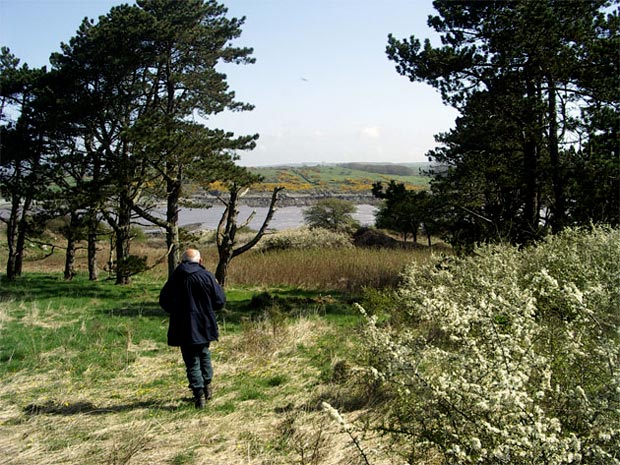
(325, 269)
(47, 419)
(142, 414)
(328, 269)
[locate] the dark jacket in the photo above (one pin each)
(191, 296)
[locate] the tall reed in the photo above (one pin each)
(329, 269)
(345, 269)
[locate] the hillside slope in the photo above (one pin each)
(354, 177)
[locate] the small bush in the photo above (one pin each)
(509, 356)
(332, 214)
(371, 237)
(305, 239)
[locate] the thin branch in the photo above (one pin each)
(265, 225)
(150, 217)
(249, 219)
(477, 215)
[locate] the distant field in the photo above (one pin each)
(352, 177)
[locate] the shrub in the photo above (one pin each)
(331, 213)
(371, 237)
(304, 238)
(508, 356)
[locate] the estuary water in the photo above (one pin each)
(283, 218)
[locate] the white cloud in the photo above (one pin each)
(371, 132)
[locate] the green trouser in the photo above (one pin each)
(197, 360)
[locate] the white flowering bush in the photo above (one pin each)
(508, 356)
(306, 238)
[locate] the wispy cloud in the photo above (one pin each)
(371, 132)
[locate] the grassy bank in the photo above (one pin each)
(339, 178)
(87, 376)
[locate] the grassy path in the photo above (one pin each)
(87, 378)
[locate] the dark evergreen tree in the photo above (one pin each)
(399, 211)
(190, 38)
(22, 152)
(406, 211)
(101, 67)
(516, 70)
(136, 80)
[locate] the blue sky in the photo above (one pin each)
(322, 85)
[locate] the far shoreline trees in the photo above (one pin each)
(406, 211)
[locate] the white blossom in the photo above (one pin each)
(508, 351)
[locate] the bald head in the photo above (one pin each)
(191, 255)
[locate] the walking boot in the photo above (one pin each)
(199, 398)
(208, 391)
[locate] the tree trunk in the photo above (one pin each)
(172, 227)
(170, 224)
(172, 241)
(225, 236)
(221, 271)
(530, 172)
(122, 255)
(93, 224)
(530, 169)
(557, 178)
(19, 249)
(11, 238)
(123, 238)
(93, 212)
(71, 243)
(70, 259)
(22, 229)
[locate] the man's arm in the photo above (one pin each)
(165, 297)
(219, 298)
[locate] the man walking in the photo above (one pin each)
(191, 296)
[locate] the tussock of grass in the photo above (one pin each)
(86, 375)
(98, 384)
(344, 269)
(5, 316)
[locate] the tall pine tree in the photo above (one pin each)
(140, 82)
(515, 70)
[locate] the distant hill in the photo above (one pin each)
(345, 177)
(380, 168)
(305, 183)
(413, 168)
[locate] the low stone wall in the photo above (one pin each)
(293, 199)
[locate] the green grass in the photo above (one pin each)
(100, 320)
(184, 458)
(95, 319)
(86, 374)
(336, 178)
